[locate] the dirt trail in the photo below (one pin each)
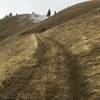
(49, 70)
(56, 75)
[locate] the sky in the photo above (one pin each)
(38, 6)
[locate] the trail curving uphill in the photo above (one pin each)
(53, 74)
(51, 81)
(44, 79)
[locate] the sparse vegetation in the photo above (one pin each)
(55, 13)
(48, 13)
(65, 15)
(10, 15)
(33, 13)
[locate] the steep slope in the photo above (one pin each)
(81, 37)
(65, 15)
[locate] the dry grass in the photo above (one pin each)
(81, 37)
(64, 16)
(62, 63)
(15, 52)
(15, 25)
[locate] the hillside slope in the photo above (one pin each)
(62, 63)
(80, 39)
(65, 15)
(18, 24)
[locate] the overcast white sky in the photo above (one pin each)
(39, 6)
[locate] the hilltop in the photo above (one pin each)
(18, 24)
(65, 15)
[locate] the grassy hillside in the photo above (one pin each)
(62, 63)
(15, 25)
(80, 39)
(65, 15)
(16, 61)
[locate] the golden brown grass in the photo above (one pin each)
(62, 63)
(15, 52)
(81, 37)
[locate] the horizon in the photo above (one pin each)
(28, 6)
